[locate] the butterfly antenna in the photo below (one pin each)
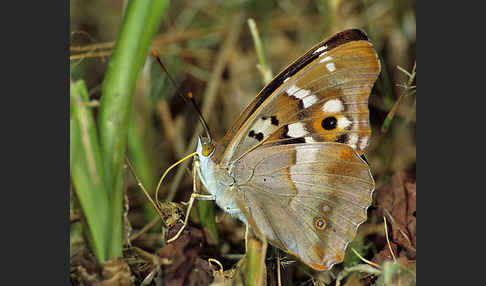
(188, 99)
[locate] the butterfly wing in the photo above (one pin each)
(321, 97)
(299, 186)
(307, 199)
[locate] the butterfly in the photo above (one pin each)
(291, 166)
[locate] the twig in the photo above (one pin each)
(146, 228)
(156, 260)
(364, 259)
(93, 47)
(139, 183)
(388, 241)
(90, 55)
(407, 88)
(399, 228)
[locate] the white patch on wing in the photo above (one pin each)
(309, 100)
(297, 130)
(262, 123)
(353, 140)
(331, 67)
(305, 156)
(363, 143)
(309, 139)
(326, 59)
(333, 106)
(323, 48)
(297, 92)
(264, 126)
(343, 122)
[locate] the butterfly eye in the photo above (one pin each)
(320, 223)
(207, 149)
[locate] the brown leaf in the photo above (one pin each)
(183, 254)
(412, 209)
(397, 201)
(202, 273)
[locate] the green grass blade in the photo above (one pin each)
(262, 66)
(255, 267)
(87, 170)
(205, 211)
(140, 22)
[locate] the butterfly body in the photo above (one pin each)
(218, 181)
(290, 166)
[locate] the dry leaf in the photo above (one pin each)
(397, 201)
(183, 254)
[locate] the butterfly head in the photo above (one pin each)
(205, 150)
(205, 147)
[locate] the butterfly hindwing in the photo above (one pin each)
(307, 199)
(321, 97)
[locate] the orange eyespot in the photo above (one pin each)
(320, 223)
(189, 94)
(207, 149)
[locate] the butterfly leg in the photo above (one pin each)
(194, 196)
(189, 208)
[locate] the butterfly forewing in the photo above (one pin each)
(321, 97)
(307, 199)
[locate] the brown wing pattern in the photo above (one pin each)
(321, 97)
(307, 199)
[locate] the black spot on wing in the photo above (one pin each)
(329, 123)
(301, 104)
(274, 120)
(342, 138)
(259, 136)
